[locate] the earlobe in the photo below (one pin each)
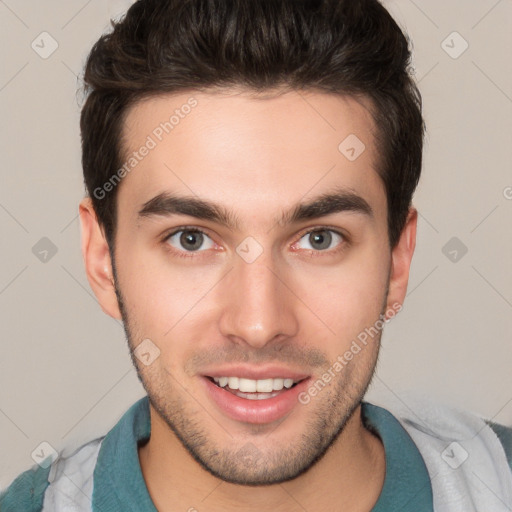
(98, 265)
(401, 258)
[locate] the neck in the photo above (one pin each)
(351, 474)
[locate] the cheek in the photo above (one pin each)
(347, 298)
(161, 299)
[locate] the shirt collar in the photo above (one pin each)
(407, 483)
(118, 480)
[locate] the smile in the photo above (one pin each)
(254, 400)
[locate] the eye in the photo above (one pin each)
(190, 240)
(321, 239)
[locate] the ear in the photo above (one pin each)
(98, 265)
(401, 257)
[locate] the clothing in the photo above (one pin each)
(421, 455)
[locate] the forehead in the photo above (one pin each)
(241, 149)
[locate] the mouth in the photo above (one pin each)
(255, 400)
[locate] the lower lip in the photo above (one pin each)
(255, 411)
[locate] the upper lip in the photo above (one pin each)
(256, 372)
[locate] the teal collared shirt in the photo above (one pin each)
(119, 484)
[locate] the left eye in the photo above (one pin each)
(321, 239)
(190, 240)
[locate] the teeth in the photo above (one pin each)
(264, 386)
(253, 386)
(256, 396)
(277, 384)
(233, 382)
(247, 385)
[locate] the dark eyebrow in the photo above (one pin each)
(169, 204)
(342, 200)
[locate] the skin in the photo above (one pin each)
(296, 304)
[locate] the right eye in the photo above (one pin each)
(189, 240)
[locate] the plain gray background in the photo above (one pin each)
(65, 371)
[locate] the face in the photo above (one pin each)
(252, 252)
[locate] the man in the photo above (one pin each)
(250, 167)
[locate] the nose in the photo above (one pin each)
(258, 304)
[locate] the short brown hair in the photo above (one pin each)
(334, 46)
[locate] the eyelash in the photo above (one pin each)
(343, 244)
(183, 254)
(194, 254)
